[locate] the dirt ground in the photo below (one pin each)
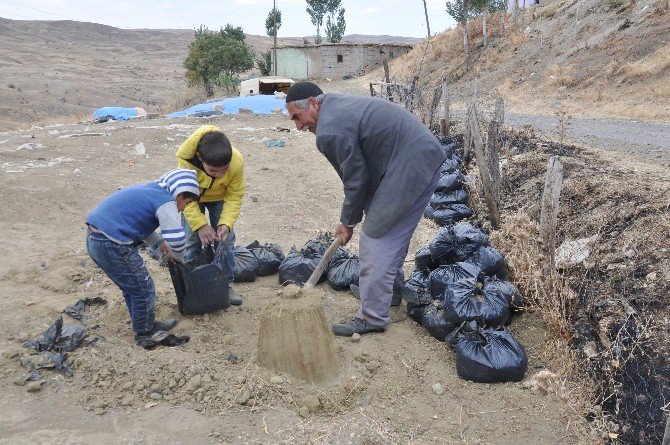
(199, 393)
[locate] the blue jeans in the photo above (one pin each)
(194, 245)
(124, 266)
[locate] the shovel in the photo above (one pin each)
(314, 278)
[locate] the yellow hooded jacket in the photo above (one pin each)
(229, 188)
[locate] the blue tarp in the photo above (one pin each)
(261, 104)
(116, 113)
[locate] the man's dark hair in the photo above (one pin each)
(215, 149)
(189, 195)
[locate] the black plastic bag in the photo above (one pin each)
(511, 293)
(488, 355)
(201, 285)
(343, 272)
(434, 321)
(59, 339)
(269, 257)
(464, 300)
(246, 265)
(444, 276)
(417, 288)
(320, 243)
(449, 166)
(448, 147)
(441, 200)
(415, 311)
(429, 212)
(298, 266)
(77, 310)
(489, 260)
(451, 214)
(456, 243)
(450, 182)
(163, 338)
(422, 259)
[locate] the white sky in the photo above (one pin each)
(375, 17)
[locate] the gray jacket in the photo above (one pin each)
(384, 155)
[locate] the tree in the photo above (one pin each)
(233, 32)
(335, 24)
(270, 22)
(462, 11)
(214, 58)
(316, 10)
(264, 64)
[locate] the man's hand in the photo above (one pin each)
(345, 232)
(222, 232)
(207, 235)
(165, 251)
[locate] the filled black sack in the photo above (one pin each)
(320, 243)
(464, 300)
(422, 259)
(456, 243)
(246, 265)
(435, 323)
(343, 272)
(429, 212)
(269, 257)
(448, 148)
(508, 290)
(441, 200)
(490, 261)
(417, 288)
(298, 265)
(451, 214)
(488, 355)
(449, 166)
(444, 276)
(450, 182)
(201, 285)
(415, 311)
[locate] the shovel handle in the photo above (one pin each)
(323, 263)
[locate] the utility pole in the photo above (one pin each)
(274, 21)
(425, 9)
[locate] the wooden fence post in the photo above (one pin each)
(549, 209)
(433, 105)
(389, 92)
(493, 144)
(500, 111)
(444, 123)
(467, 136)
(482, 162)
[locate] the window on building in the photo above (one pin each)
(340, 58)
(391, 54)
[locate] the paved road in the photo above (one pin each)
(651, 142)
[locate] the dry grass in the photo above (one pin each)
(651, 65)
(562, 75)
(183, 97)
(544, 289)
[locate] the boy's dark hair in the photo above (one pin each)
(189, 195)
(214, 149)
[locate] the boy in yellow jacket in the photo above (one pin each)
(219, 168)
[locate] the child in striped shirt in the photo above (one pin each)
(126, 219)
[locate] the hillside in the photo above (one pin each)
(612, 57)
(55, 71)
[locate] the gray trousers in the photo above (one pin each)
(382, 261)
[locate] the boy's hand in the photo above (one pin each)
(207, 235)
(165, 251)
(223, 232)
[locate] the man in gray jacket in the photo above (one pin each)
(389, 165)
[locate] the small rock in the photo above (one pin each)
(437, 389)
(244, 397)
(312, 403)
(276, 380)
(98, 411)
(651, 276)
(156, 395)
(356, 337)
(34, 386)
(150, 405)
(303, 411)
(241, 379)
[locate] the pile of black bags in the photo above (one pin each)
(459, 290)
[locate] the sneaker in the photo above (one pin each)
(355, 326)
(356, 290)
(233, 297)
(166, 325)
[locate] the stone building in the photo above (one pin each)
(334, 60)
